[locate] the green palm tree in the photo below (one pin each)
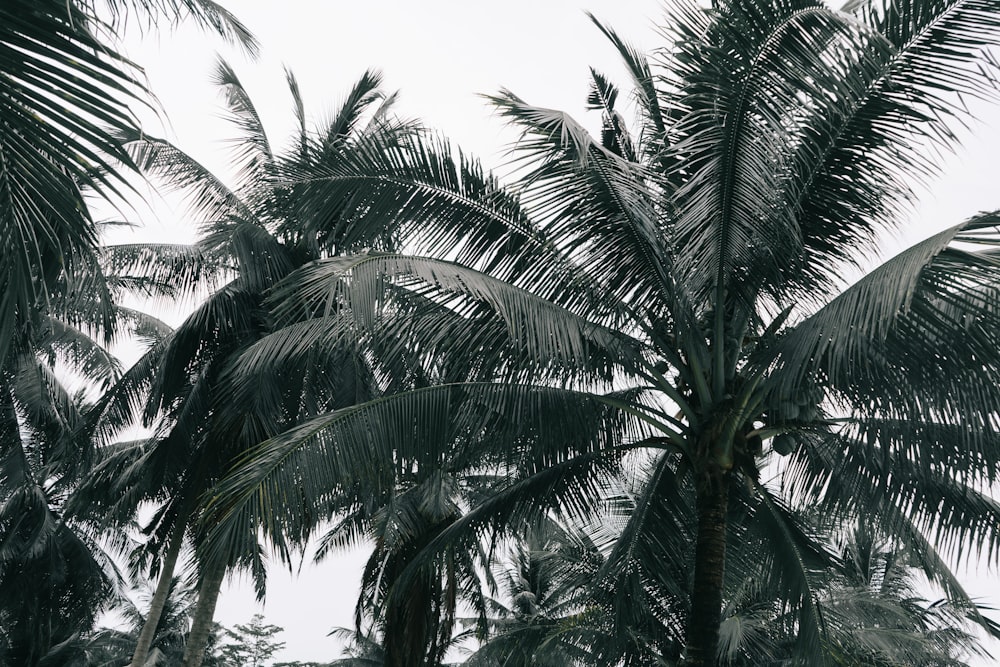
(683, 289)
(56, 574)
(252, 237)
(547, 614)
(110, 647)
(65, 93)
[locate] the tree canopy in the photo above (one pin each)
(660, 373)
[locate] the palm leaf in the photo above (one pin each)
(205, 13)
(903, 92)
(535, 326)
(654, 140)
(252, 156)
(622, 247)
(391, 184)
(918, 328)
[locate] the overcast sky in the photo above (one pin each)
(440, 55)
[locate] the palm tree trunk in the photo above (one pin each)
(201, 626)
(167, 567)
(709, 570)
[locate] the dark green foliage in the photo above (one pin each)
(678, 293)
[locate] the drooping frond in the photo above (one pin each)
(161, 269)
(916, 337)
(359, 286)
(388, 187)
(219, 325)
(365, 443)
(64, 343)
(64, 98)
(209, 199)
(122, 405)
(849, 478)
(794, 572)
(207, 14)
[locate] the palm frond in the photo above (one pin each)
(161, 269)
(358, 286)
(205, 13)
(905, 83)
(346, 122)
(653, 142)
(622, 247)
(65, 98)
(253, 158)
(914, 337)
(335, 451)
(743, 81)
(796, 566)
(209, 199)
(392, 184)
(64, 343)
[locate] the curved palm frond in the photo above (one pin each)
(253, 158)
(904, 88)
(908, 338)
(549, 332)
(394, 184)
(205, 13)
(475, 425)
(209, 198)
(579, 180)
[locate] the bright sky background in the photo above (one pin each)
(440, 54)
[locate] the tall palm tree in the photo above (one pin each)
(252, 236)
(684, 289)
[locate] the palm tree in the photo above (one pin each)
(412, 607)
(64, 97)
(684, 289)
(115, 647)
(878, 617)
(252, 237)
(548, 612)
(56, 574)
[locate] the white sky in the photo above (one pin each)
(440, 54)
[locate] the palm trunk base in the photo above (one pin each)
(709, 571)
(201, 625)
(159, 601)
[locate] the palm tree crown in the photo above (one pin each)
(681, 289)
